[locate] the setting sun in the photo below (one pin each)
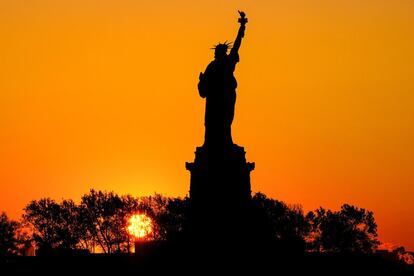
(140, 226)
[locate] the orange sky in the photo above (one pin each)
(102, 94)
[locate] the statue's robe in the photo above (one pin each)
(218, 85)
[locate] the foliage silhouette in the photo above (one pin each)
(279, 222)
(100, 219)
(105, 216)
(350, 229)
(46, 219)
(8, 235)
(345, 238)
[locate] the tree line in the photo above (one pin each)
(98, 222)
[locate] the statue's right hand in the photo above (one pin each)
(242, 20)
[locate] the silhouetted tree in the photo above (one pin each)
(156, 207)
(351, 229)
(102, 211)
(57, 225)
(280, 222)
(87, 239)
(402, 255)
(173, 219)
(8, 236)
(44, 218)
(24, 239)
(69, 231)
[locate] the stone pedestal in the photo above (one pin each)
(220, 193)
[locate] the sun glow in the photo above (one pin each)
(140, 226)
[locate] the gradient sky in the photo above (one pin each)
(103, 94)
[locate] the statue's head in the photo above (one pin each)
(220, 50)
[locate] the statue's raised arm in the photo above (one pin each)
(242, 20)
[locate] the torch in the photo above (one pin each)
(243, 19)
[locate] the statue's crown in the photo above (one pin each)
(222, 46)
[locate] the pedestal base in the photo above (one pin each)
(220, 193)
